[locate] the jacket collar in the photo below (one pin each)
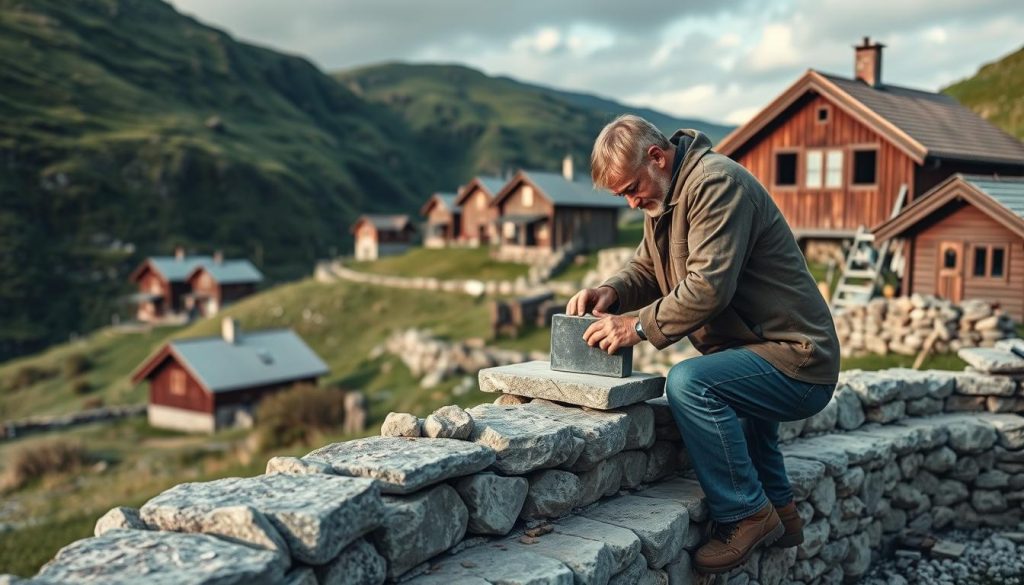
(695, 144)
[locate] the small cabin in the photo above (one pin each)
(964, 239)
(444, 223)
(478, 216)
(210, 383)
(382, 235)
(834, 151)
(540, 213)
(166, 284)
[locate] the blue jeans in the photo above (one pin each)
(738, 464)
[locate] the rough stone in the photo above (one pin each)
(988, 501)
(662, 411)
(301, 576)
(495, 563)
(803, 476)
(296, 466)
(683, 491)
(521, 443)
(940, 460)
(680, 571)
(622, 543)
(602, 480)
(511, 400)
(119, 517)
(604, 433)
(993, 479)
(886, 413)
(570, 353)
(316, 515)
(968, 434)
(633, 465)
(401, 424)
(448, 422)
(493, 501)
(873, 388)
(552, 493)
(871, 491)
(835, 551)
(823, 496)
(662, 460)
(809, 569)
(418, 526)
(858, 558)
(849, 482)
(538, 380)
(637, 573)
(640, 432)
(660, 524)
(815, 536)
(984, 385)
(924, 406)
(404, 465)
(824, 420)
(992, 360)
(162, 558)
(834, 459)
(958, 403)
(775, 563)
(916, 384)
(590, 560)
(850, 412)
(1009, 428)
(791, 429)
(358, 564)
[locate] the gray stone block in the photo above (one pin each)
(660, 524)
(623, 544)
(493, 501)
(358, 564)
(119, 517)
(683, 491)
(495, 563)
(537, 380)
(522, 443)
(603, 433)
(552, 493)
(590, 560)
(404, 465)
(162, 558)
(570, 353)
(417, 527)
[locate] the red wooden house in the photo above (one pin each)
(478, 215)
(835, 151)
(205, 384)
(965, 240)
(444, 222)
(382, 235)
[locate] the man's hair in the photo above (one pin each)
(621, 146)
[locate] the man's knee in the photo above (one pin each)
(685, 381)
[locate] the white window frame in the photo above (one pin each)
(834, 169)
(813, 166)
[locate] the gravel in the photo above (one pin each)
(990, 557)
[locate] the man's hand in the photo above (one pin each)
(591, 300)
(612, 332)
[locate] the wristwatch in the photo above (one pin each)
(639, 328)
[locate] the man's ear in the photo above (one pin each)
(657, 155)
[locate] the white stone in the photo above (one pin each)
(119, 517)
(401, 424)
(448, 422)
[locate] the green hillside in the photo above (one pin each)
(996, 92)
(127, 128)
(494, 124)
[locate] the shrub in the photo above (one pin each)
(92, 402)
(76, 364)
(33, 462)
(26, 376)
(298, 415)
(81, 386)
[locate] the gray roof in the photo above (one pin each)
(571, 194)
(1007, 191)
(227, 271)
(386, 222)
(938, 122)
(256, 358)
(492, 184)
(448, 200)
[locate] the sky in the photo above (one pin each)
(719, 61)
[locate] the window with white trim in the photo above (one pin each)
(834, 169)
(812, 177)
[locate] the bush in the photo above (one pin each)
(76, 364)
(33, 462)
(298, 415)
(26, 376)
(81, 386)
(92, 402)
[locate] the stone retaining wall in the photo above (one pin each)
(17, 428)
(531, 491)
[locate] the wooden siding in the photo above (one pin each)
(477, 217)
(160, 392)
(841, 209)
(585, 228)
(971, 226)
(439, 216)
(515, 204)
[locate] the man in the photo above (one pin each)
(719, 264)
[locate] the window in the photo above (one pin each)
(812, 177)
(949, 258)
(481, 201)
(865, 164)
(822, 116)
(178, 382)
(980, 260)
(998, 262)
(527, 196)
(785, 169)
(989, 261)
(834, 169)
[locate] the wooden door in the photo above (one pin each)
(950, 271)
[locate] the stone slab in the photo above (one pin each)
(992, 360)
(419, 526)
(358, 564)
(590, 560)
(622, 543)
(521, 443)
(162, 558)
(495, 563)
(570, 353)
(404, 465)
(537, 380)
(493, 501)
(660, 524)
(317, 514)
(681, 490)
(603, 433)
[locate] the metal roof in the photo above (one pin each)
(1007, 191)
(226, 271)
(385, 222)
(937, 121)
(492, 184)
(571, 193)
(233, 271)
(256, 358)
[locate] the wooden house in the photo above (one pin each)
(444, 222)
(540, 213)
(965, 240)
(206, 384)
(382, 235)
(477, 214)
(834, 151)
(165, 284)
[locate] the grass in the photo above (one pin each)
(445, 263)
(942, 361)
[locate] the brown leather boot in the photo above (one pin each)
(731, 544)
(794, 526)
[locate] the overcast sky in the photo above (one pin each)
(717, 60)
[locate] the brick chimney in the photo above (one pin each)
(867, 62)
(179, 253)
(230, 330)
(567, 168)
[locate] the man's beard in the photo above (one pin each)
(663, 184)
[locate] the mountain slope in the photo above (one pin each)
(124, 121)
(996, 92)
(495, 124)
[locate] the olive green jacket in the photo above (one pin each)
(721, 266)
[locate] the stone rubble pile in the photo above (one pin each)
(540, 492)
(902, 325)
(990, 556)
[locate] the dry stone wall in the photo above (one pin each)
(542, 492)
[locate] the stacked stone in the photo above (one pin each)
(609, 262)
(1004, 371)
(903, 325)
(334, 270)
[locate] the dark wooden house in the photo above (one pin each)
(540, 213)
(477, 214)
(382, 235)
(834, 152)
(166, 284)
(444, 222)
(206, 384)
(965, 240)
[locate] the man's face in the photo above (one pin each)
(645, 188)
